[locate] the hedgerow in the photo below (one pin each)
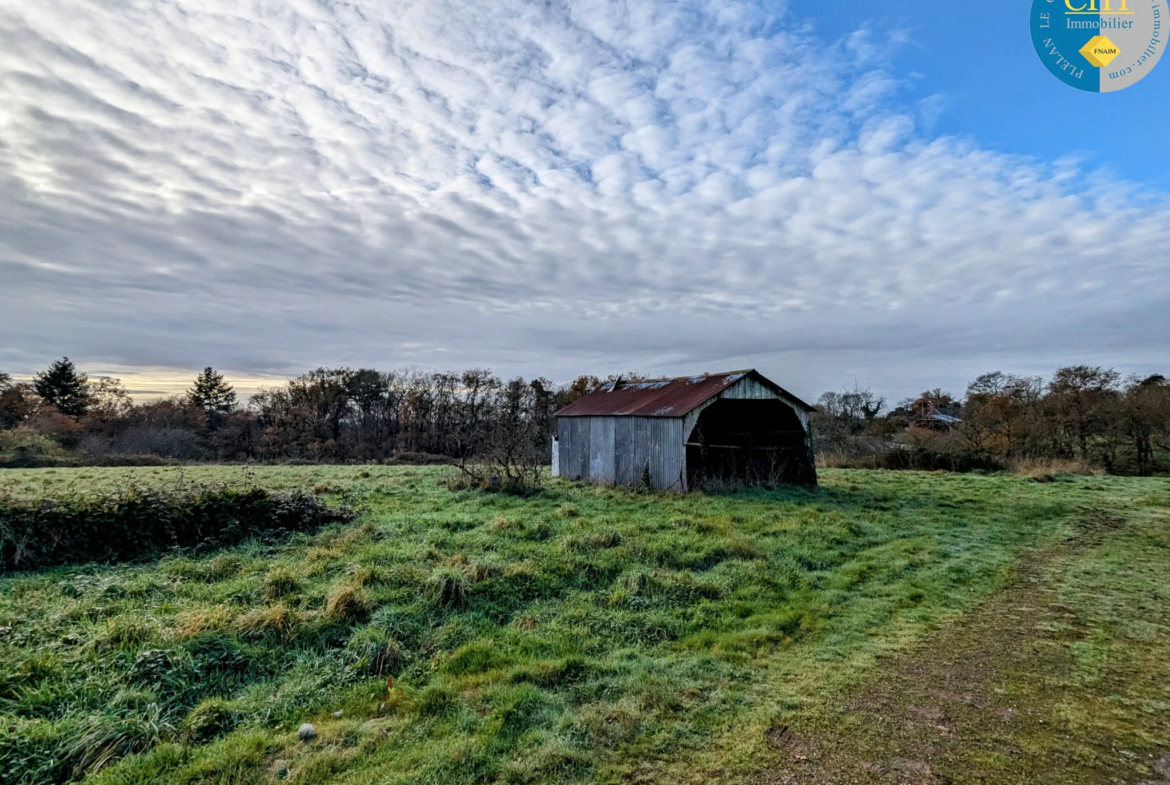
(138, 522)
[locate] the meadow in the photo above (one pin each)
(884, 627)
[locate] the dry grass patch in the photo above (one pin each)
(349, 603)
(277, 620)
(197, 621)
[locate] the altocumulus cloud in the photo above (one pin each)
(539, 187)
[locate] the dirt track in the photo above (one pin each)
(978, 703)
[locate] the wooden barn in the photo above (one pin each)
(682, 433)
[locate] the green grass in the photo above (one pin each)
(582, 635)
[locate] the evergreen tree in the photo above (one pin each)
(65, 388)
(213, 395)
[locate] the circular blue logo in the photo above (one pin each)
(1101, 46)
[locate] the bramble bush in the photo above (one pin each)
(138, 522)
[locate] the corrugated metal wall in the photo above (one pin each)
(602, 439)
(617, 450)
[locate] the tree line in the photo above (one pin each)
(325, 415)
(1085, 414)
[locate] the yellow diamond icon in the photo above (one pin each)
(1100, 51)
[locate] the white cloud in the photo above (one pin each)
(539, 187)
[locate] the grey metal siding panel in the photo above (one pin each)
(619, 450)
(692, 419)
(639, 448)
(669, 453)
(653, 442)
(748, 388)
(623, 451)
(646, 449)
(581, 432)
(574, 438)
(564, 446)
(601, 449)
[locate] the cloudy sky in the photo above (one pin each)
(552, 188)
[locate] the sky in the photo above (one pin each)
(898, 195)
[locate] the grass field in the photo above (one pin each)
(886, 627)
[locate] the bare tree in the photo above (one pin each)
(999, 412)
(1081, 403)
(507, 450)
(843, 419)
(1146, 418)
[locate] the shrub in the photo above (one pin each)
(416, 459)
(134, 523)
(135, 460)
(916, 458)
(1049, 470)
(927, 459)
(24, 447)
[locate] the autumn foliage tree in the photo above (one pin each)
(18, 402)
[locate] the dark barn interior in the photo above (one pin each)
(748, 442)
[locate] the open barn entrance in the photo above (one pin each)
(748, 442)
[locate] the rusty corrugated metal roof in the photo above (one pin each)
(661, 397)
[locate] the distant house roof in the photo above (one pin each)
(935, 415)
(663, 397)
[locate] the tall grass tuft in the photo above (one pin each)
(449, 588)
(349, 603)
(374, 652)
(275, 620)
(104, 739)
(280, 582)
(210, 719)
